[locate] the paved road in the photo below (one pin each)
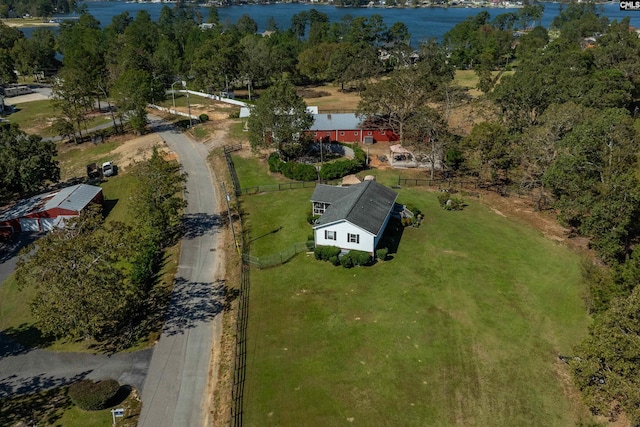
(9, 253)
(26, 370)
(177, 385)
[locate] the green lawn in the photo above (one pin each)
(54, 408)
(33, 116)
(251, 172)
(462, 327)
(73, 158)
(36, 117)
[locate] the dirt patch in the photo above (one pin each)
(26, 98)
(221, 376)
(522, 209)
(136, 150)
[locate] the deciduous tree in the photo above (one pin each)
(27, 162)
(395, 99)
(279, 117)
(79, 279)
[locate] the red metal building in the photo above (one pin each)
(46, 211)
(346, 127)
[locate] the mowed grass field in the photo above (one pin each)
(462, 327)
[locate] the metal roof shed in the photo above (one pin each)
(46, 211)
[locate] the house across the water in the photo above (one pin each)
(353, 217)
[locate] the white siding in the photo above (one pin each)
(29, 224)
(342, 229)
(47, 224)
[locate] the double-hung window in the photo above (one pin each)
(353, 238)
(329, 235)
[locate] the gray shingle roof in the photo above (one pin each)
(74, 198)
(365, 205)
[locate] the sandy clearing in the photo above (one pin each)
(138, 149)
(25, 98)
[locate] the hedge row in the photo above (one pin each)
(328, 171)
(325, 253)
(292, 170)
(340, 168)
(93, 396)
(348, 260)
(355, 258)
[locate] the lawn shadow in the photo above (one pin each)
(391, 237)
(21, 339)
(193, 303)
(108, 205)
(274, 231)
(31, 409)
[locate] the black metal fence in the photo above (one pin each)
(275, 259)
(228, 149)
(240, 360)
(284, 186)
(443, 184)
(242, 315)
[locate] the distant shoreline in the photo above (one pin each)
(28, 22)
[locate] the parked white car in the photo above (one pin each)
(107, 169)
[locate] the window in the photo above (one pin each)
(319, 208)
(353, 238)
(329, 235)
(328, 133)
(369, 133)
(315, 134)
(341, 133)
(355, 133)
(382, 133)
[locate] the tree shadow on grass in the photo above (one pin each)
(108, 206)
(22, 339)
(45, 407)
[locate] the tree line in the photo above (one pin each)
(39, 8)
(564, 130)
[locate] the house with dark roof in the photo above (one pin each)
(353, 217)
(46, 211)
(347, 127)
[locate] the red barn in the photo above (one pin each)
(348, 128)
(48, 210)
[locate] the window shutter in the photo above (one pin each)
(357, 238)
(326, 233)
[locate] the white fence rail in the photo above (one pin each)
(216, 97)
(172, 111)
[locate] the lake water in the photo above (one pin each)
(423, 23)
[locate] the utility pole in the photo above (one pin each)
(227, 197)
(188, 103)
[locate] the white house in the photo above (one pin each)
(352, 217)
